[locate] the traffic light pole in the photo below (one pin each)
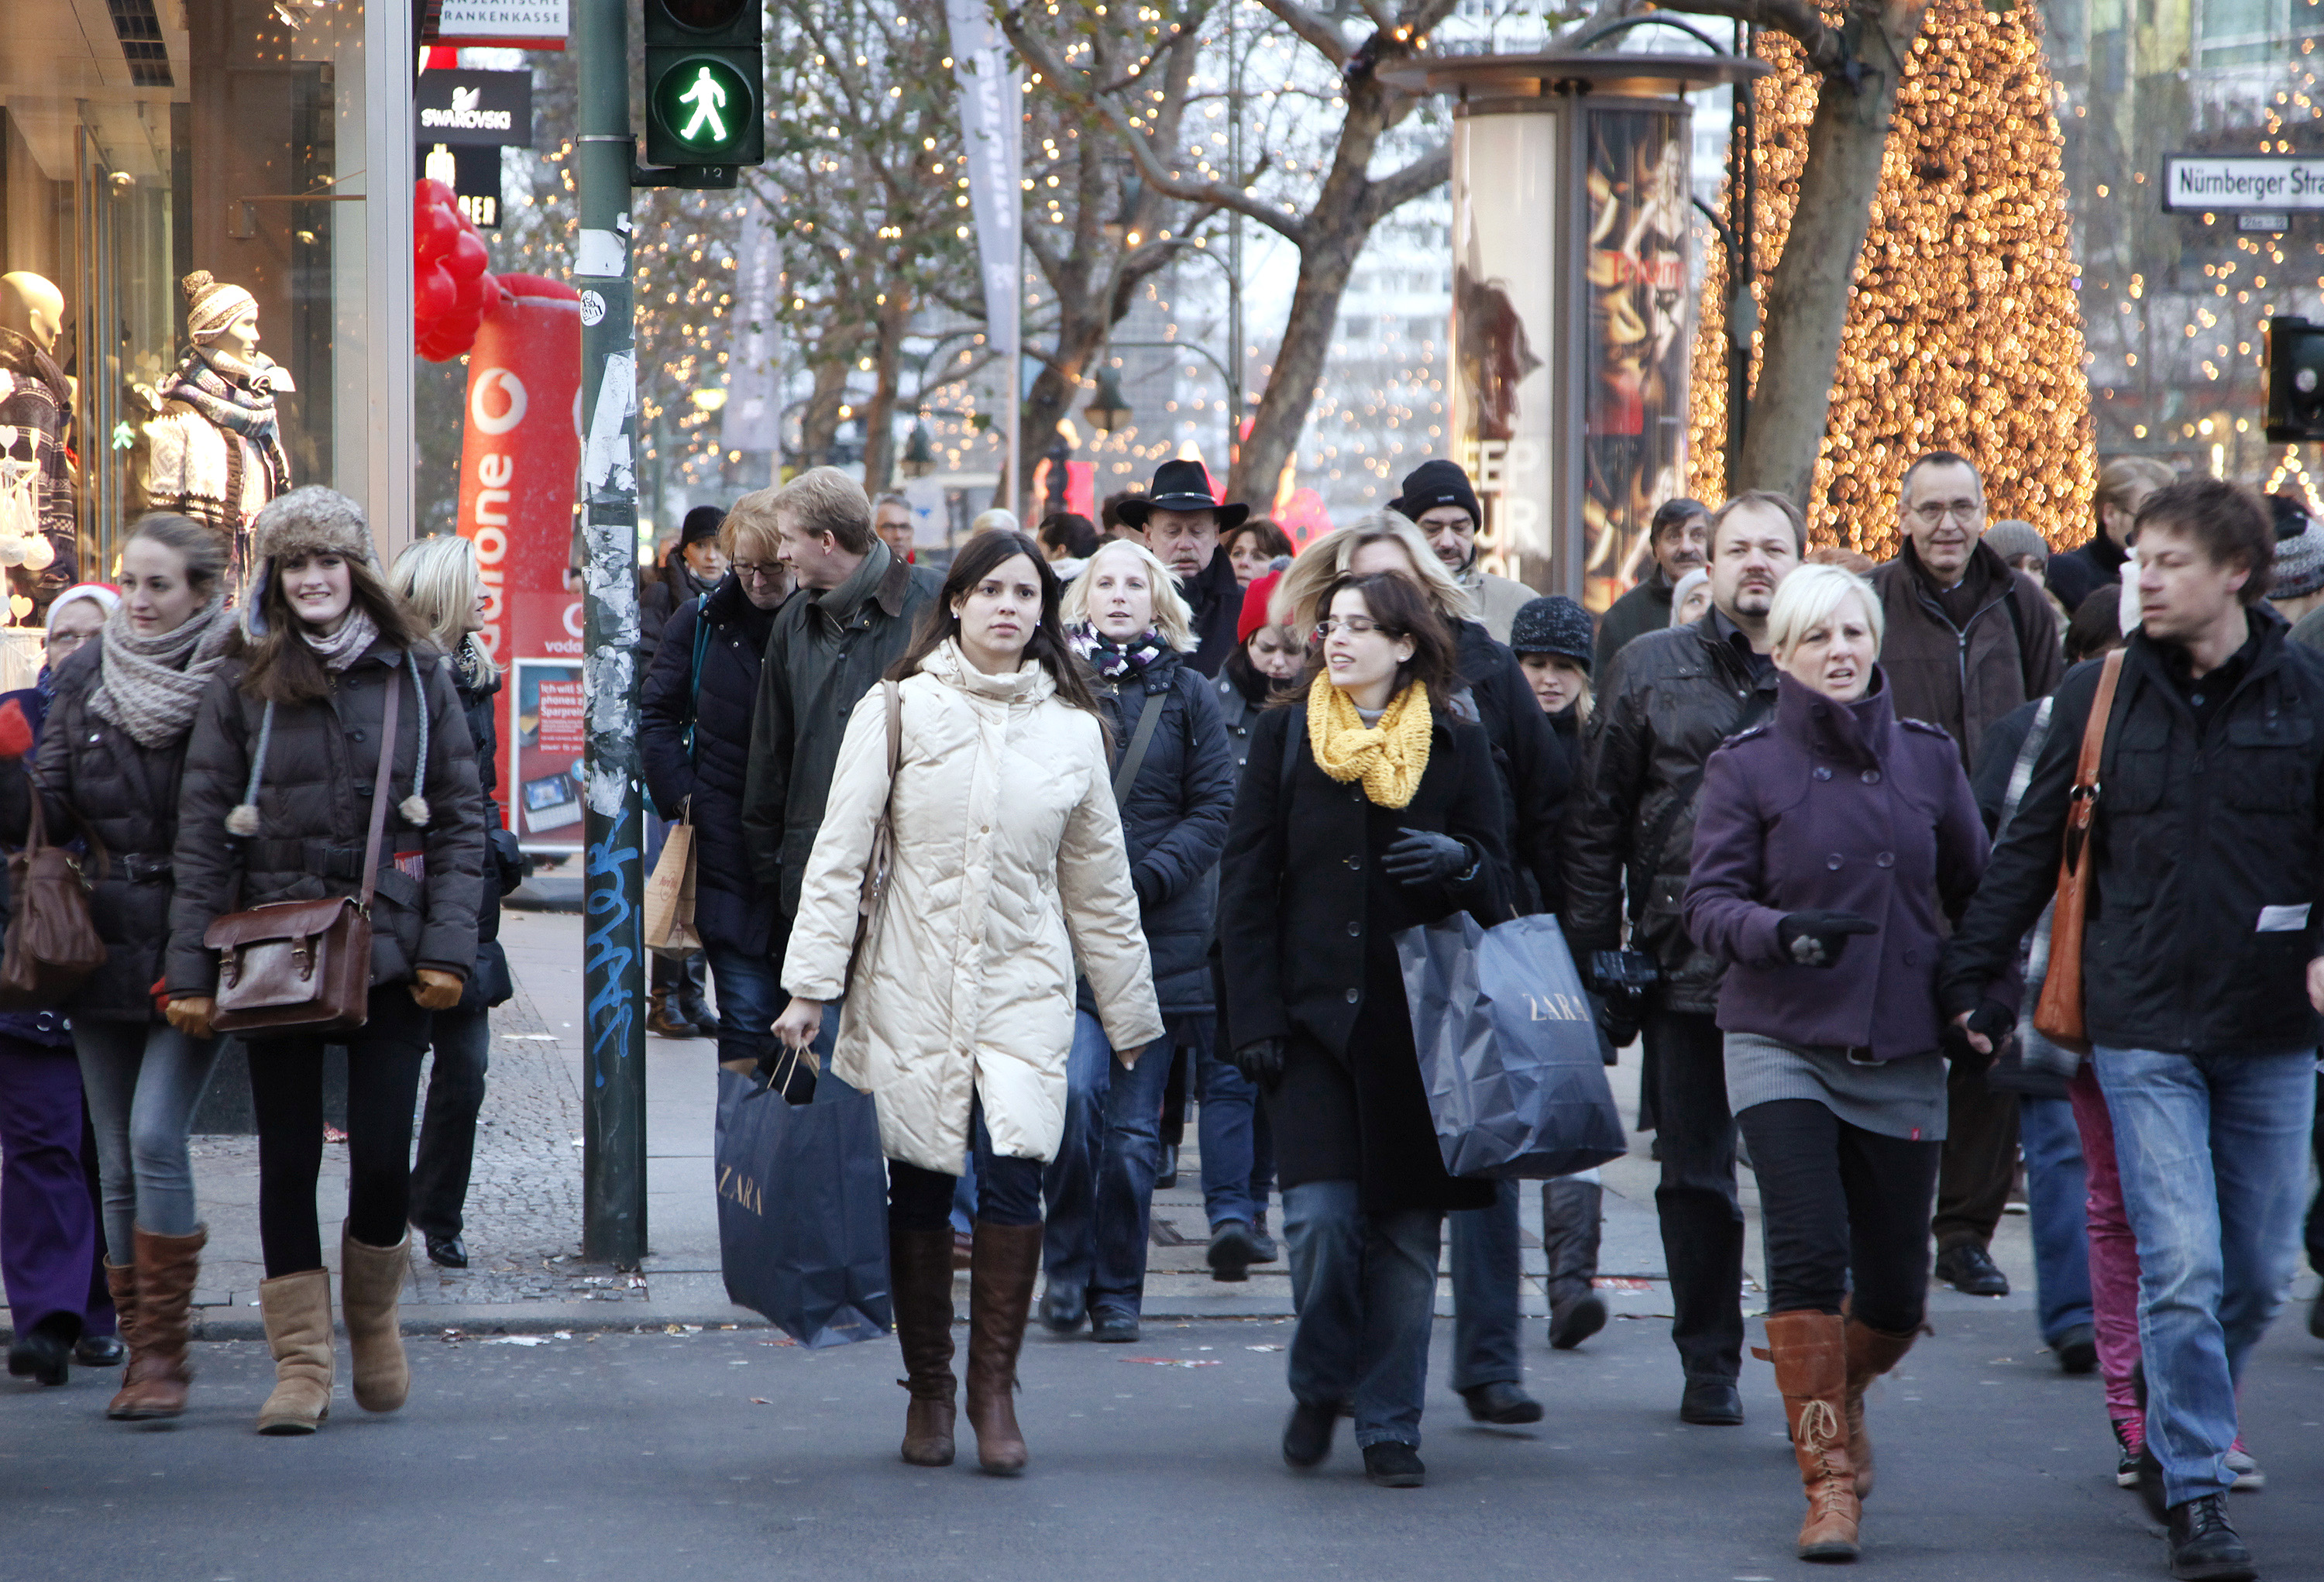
(614, 1124)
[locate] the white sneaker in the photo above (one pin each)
(2249, 1478)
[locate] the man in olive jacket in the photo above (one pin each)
(1670, 698)
(2202, 967)
(853, 618)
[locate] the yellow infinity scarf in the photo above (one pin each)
(1390, 758)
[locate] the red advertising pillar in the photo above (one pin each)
(518, 464)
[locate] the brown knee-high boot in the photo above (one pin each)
(1870, 1353)
(155, 1386)
(121, 1284)
(919, 1277)
(1811, 1363)
(1000, 1299)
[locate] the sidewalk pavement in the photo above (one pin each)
(523, 1233)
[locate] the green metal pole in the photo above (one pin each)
(613, 1126)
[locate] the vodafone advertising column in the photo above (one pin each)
(517, 469)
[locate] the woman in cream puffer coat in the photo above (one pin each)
(1009, 866)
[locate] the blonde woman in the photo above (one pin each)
(1009, 866)
(1174, 781)
(441, 582)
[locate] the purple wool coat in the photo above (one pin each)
(1834, 807)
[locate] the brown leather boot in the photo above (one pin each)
(296, 1309)
(1000, 1300)
(919, 1277)
(155, 1384)
(1811, 1360)
(121, 1284)
(1870, 1353)
(371, 1281)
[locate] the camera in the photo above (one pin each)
(1623, 977)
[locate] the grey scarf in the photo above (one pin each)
(151, 686)
(349, 643)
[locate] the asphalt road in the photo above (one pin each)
(726, 1455)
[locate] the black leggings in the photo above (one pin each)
(1008, 1191)
(286, 1089)
(1836, 1201)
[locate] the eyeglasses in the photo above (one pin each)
(1353, 625)
(1935, 511)
(61, 644)
(758, 570)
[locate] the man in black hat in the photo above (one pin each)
(1182, 522)
(1438, 499)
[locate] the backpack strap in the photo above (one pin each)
(1140, 740)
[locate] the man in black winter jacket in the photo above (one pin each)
(1182, 523)
(2202, 965)
(1666, 703)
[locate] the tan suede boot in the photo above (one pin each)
(371, 1283)
(999, 1302)
(1870, 1353)
(121, 1284)
(296, 1309)
(155, 1386)
(1811, 1363)
(920, 1275)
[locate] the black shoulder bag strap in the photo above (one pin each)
(1140, 740)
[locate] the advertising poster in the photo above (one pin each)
(544, 775)
(1640, 337)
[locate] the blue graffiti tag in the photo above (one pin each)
(611, 1012)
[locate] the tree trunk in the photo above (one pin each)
(1808, 293)
(1324, 265)
(878, 414)
(819, 424)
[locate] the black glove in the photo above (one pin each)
(1618, 1018)
(1423, 858)
(1993, 1020)
(1260, 1061)
(1816, 938)
(1148, 888)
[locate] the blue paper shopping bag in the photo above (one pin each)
(803, 1210)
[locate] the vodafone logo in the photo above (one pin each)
(481, 402)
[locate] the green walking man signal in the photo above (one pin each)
(705, 84)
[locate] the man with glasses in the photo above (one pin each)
(1969, 641)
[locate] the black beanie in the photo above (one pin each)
(701, 523)
(1432, 483)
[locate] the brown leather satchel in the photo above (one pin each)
(51, 945)
(2058, 1016)
(305, 965)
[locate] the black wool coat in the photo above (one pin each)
(1308, 927)
(731, 908)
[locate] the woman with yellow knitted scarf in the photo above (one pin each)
(1367, 809)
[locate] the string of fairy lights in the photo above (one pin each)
(1964, 329)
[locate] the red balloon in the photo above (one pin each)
(432, 292)
(472, 295)
(468, 257)
(436, 231)
(430, 194)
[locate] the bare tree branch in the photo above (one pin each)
(1826, 52)
(1429, 171)
(1316, 30)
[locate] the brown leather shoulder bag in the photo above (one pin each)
(305, 965)
(51, 945)
(2058, 1016)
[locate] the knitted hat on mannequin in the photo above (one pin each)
(211, 304)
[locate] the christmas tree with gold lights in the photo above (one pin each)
(1964, 329)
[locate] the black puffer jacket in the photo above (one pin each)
(1534, 769)
(1238, 711)
(2207, 901)
(314, 809)
(94, 776)
(1669, 699)
(1174, 823)
(491, 984)
(730, 907)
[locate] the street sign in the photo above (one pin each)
(521, 24)
(2202, 183)
(705, 92)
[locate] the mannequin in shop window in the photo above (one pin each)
(37, 487)
(215, 452)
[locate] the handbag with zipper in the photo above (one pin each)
(305, 965)
(2058, 1016)
(52, 945)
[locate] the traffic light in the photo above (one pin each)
(2295, 381)
(706, 83)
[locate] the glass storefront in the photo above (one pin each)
(189, 250)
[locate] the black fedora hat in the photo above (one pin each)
(1182, 485)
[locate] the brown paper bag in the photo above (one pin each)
(669, 896)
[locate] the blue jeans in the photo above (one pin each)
(144, 1082)
(1485, 1277)
(750, 998)
(2056, 1187)
(2213, 1151)
(1100, 1185)
(1364, 1286)
(1238, 1153)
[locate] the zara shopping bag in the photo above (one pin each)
(1509, 1050)
(803, 1210)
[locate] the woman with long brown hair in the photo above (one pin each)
(278, 805)
(1010, 865)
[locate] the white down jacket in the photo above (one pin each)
(1008, 867)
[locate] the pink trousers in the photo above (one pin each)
(2114, 1250)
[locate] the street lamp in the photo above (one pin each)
(1107, 409)
(919, 452)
